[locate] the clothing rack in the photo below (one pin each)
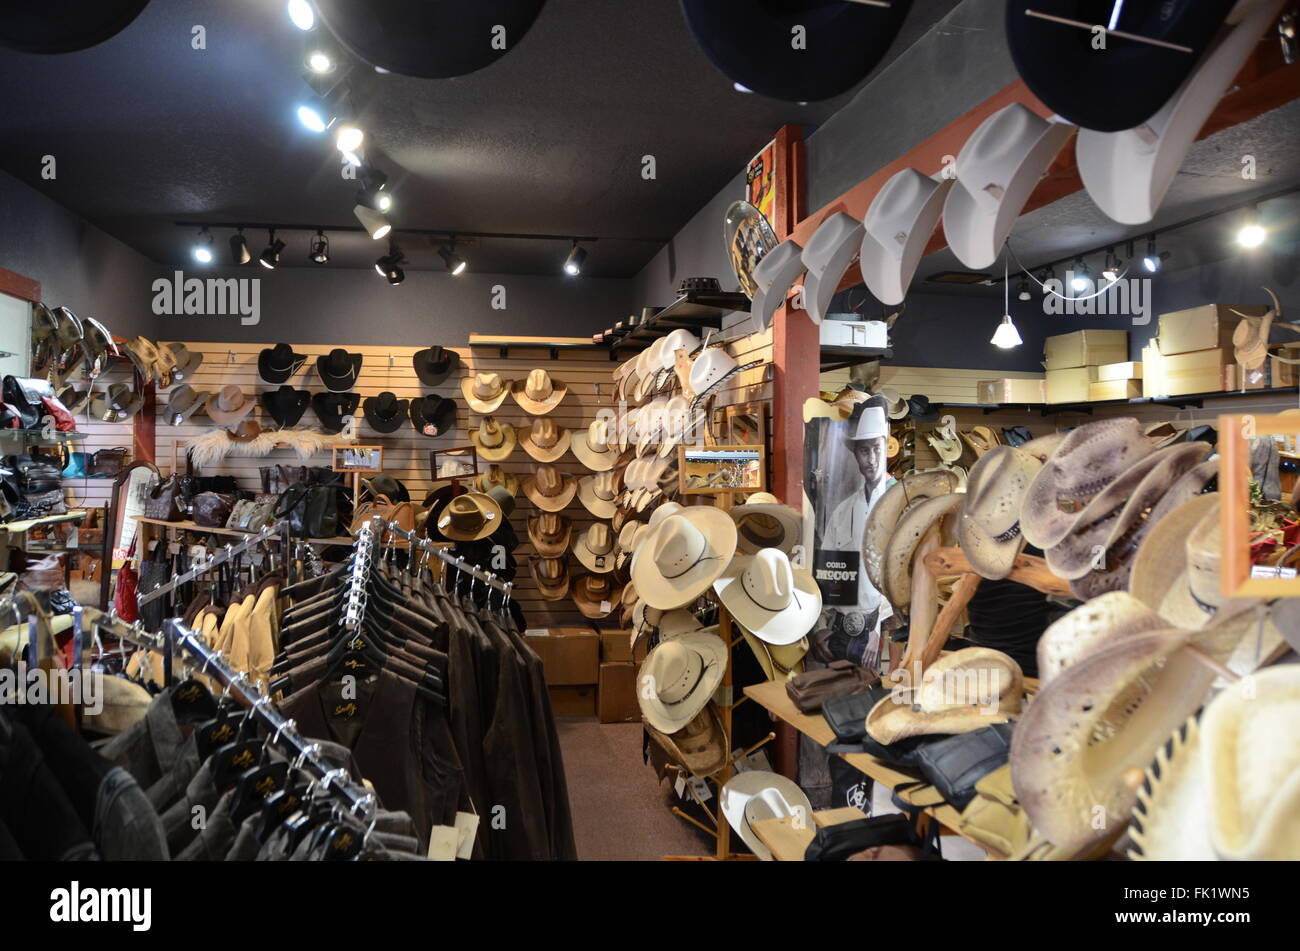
(220, 558)
(361, 561)
(455, 561)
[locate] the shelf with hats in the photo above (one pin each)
(1187, 401)
(692, 311)
(502, 344)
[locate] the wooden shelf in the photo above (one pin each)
(694, 312)
(502, 344)
(1189, 401)
(25, 526)
(788, 843)
(839, 358)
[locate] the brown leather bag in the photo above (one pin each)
(811, 689)
(164, 500)
(108, 463)
(403, 513)
(212, 509)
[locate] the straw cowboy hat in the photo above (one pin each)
(779, 662)
(597, 493)
(679, 339)
(1104, 620)
(229, 405)
(538, 394)
(678, 678)
(595, 548)
(551, 575)
(1128, 173)
(682, 555)
(117, 403)
(980, 439)
(596, 595)
(471, 516)
(545, 441)
(988, 528)
(1227, 787)
(1202, 478)
(774, 276)
(906, 537)
(550, 534)
(144, 355)
(756, 794)
(768, 597)
(1250, 336)
(550, 489)
(592, 446)
(960, 692)
(997, 170)
(184, 361)
(630, 535)
(1086, 461)
(484, 392)
(495, 475)
(711, 367)
(701, 746)
(827, 256)
(494, 441)
(913, 488)
(897, 228)
(763, 522)
(339, 369)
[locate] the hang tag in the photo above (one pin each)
(756, 760)
(702, 791)
(442, 844)
(606, 607)
(679, 787)
(467, 828)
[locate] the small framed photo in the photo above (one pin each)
(359, 459)
(716, 469)
(1238, 577)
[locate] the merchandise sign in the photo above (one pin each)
(836, 573)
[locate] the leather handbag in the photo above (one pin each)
(403, 513)
(163, 500)
(155, 570)
(63, 421)
(239, 515)
(812, 688)
(261, 513)
(124, 595)
(212, 509)
(838, 842)
(23, 394)
(954, 765)
(108, 463)
(312, 511)
(847, 716)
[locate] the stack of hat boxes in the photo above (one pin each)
(1090, 365)
(1193, 353)
(588, 673)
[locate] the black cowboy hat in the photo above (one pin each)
(385, 413)
(1128, 82)
(339, 369)
(919, 408)
(434, 364)
(751, 42)
(285, 405)
(390, 488)
(433, 415)
(430, 39)
(442, 492)
(276, 364)
(40, 27)
(332, 408)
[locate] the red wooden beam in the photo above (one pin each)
(15, 285)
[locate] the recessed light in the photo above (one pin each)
(302, 14)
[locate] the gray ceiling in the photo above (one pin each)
(147, 131)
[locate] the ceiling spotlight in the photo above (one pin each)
(316, 114)
(1252, 234)
(1153, 260)
(318, 61)
(373, 221)
(455, 263)
(372, 193)
(320, 248)
(239, 248)
(270, 258)
(740, 88)
(302, 14)
(389, 266)
(573, 263)
(202, 250)
(1081, 283)
(1023, 292)
(1111, 271)
(353, 159)
(349, 138)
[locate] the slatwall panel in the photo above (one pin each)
(97, 493)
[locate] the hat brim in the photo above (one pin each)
(480, 405)
(591, 560)
(591, 608)
(549, 503)
(787, 626)
(596, 461)
(601, 508)
(912, 526)
(228, 417)
(660, 715)
(787, 520)
(664, 593)
(742, 789)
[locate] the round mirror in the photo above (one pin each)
(748, 238)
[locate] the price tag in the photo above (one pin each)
(466, 828)
(442, 844)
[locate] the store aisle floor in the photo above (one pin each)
(619, 812)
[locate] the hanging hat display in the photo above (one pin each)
(434, 364)
(538, 394)
(897, 228)
(339, 369)
(545, 441)
(385, 413)
(277, 364)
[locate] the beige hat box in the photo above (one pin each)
(1207, 327)
(1114, 390)
(1084, 348)
(1027, 391)
(570, 655)
(616, 693)
(1129, 370)
(1070, 385)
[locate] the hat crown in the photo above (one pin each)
(675, 671)
(230, 398)
(990, 155)
(537, 386)
(548, 481)
(545, 434)
(487, 385)
(709, 367)
(489, 432)
(598, 435)
(464, 513)
(549, 525)
(830, 234)
(892, 215)
(600, 539)
(338, 362)
(769, 580)
(550, 569)
(602, 486)
(680, 548)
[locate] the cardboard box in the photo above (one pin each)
(1131, 370)
(1286, 374)
(616, 647)
(1085, 348)
(1207, 327)
(1200, 371)
(616, 697)
(1114, 390)
(1071, 385)
(1152, 379)
(1011, 391)
(1255, 379)
(573, 701)
(571, 655)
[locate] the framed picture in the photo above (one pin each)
(456, 463)
(1238, 576)
(715, 469)
(359, 459)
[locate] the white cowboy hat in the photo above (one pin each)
(897, 228)
(709, 367)
(1128, 173)
(597, 494)
(484, 392)
(678, 677)
(896, 405)
(997, 170)
(774, 276)
(1093, 625)
(680, 339)
(684, 553)
(595, 548)
(769, 598)
(872, 424)
(756, 794)
(763, 522)
(592, 446)
(830, 251)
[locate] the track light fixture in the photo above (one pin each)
(270, 258)
(349, 138)
(1252, 234)
(1153, 260)
(573, 264)
(239, 248)
(320, 248)
(1006, 336)
(374, 222)
(302, 14)
(316, 114)
(372, 193)
(1112, 268)
(320, 62)
(1022, 292)
(1081, 283)
(202, 249)
(389, 265)
(455, 263)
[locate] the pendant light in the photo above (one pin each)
(1006, 336)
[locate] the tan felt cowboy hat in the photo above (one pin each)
(545, 441)
(827, 256)
(1094, 624)
(1086, 461)
(701, 746)
(229, 405)
(494, 441)
(769, 598)
(592, 446)
(1227, 787)
(896, 229)
(595, 548)
(988, 528)
(884, 515)
(470, 517)
(115, 404)
(597, 493)
(550, 533)
(980, 438)
(550, 489)
(939, 512)
(779, 662)
(596, 595)
(678, 678)
(682, 555)
(960, 692)
(1250, 336)
(551, 575)
(538, 394)
(763, 522)
(183, 402)
(756, 794)
(495, 475)
(484, 392)
(1076, 554)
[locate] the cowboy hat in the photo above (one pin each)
(495, 475)
(980, 439)
(650, 424)
(912, 527)
(870, 422)
(538, 394)
(75, 400)
(630, 535)
(333, 408)
(763, 522)
(948, 446)
(246, 430)
(385, 413)
(1128, 173)
(339, 369)
(682, 555)
(774, 276)
(711, 366)
(439, 494)
(895, 405)
(545, 441)
(116, 404)
(768, 597)
(284, 405)
(433, 415)
(997, 170)
(471, 516)
(828, 255)
(702, 746)
(596, 595)
(955, 696)
(1165, 433)
(68, 331)
(1104, 620)
(896, 230)
(551, 576)
(595, 548)
(919, 408)
(592, 447)
(492, 440)
(1199, 480)
(1250, 336)
(276, 364)
(184, 362)
(779, 662)
(383, 484)
(550, 534)
(229, 405)
(913, 488)
(99, 345)
(550, 489)
(757, 794)
(597, 492)
(680, 339)
(434, 364)
(988, 528)
(484, 392)
(1086, 461)
(678, 677)
(144, 355)
(675, 425)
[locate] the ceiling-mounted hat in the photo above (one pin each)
(775, 274)
(119, 402)
(333, 408)
(433, 415)
(285, 405)
(229, 405)
(550, 489)
(829, 253)
(434, 364)
(66, 26)
(799, 52)
(339, 369)
(538, 393)
(276, 364)
(385, 413)
(592, 446)
(484, 392)
(897, 228)
(545, 441)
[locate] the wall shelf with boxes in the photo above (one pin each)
(1188, 401)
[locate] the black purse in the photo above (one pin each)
(312, 511)
(24, 394)
(954, 765)
(835, 843)
(847, 717)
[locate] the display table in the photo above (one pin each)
(14, 534)
(787, 843)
